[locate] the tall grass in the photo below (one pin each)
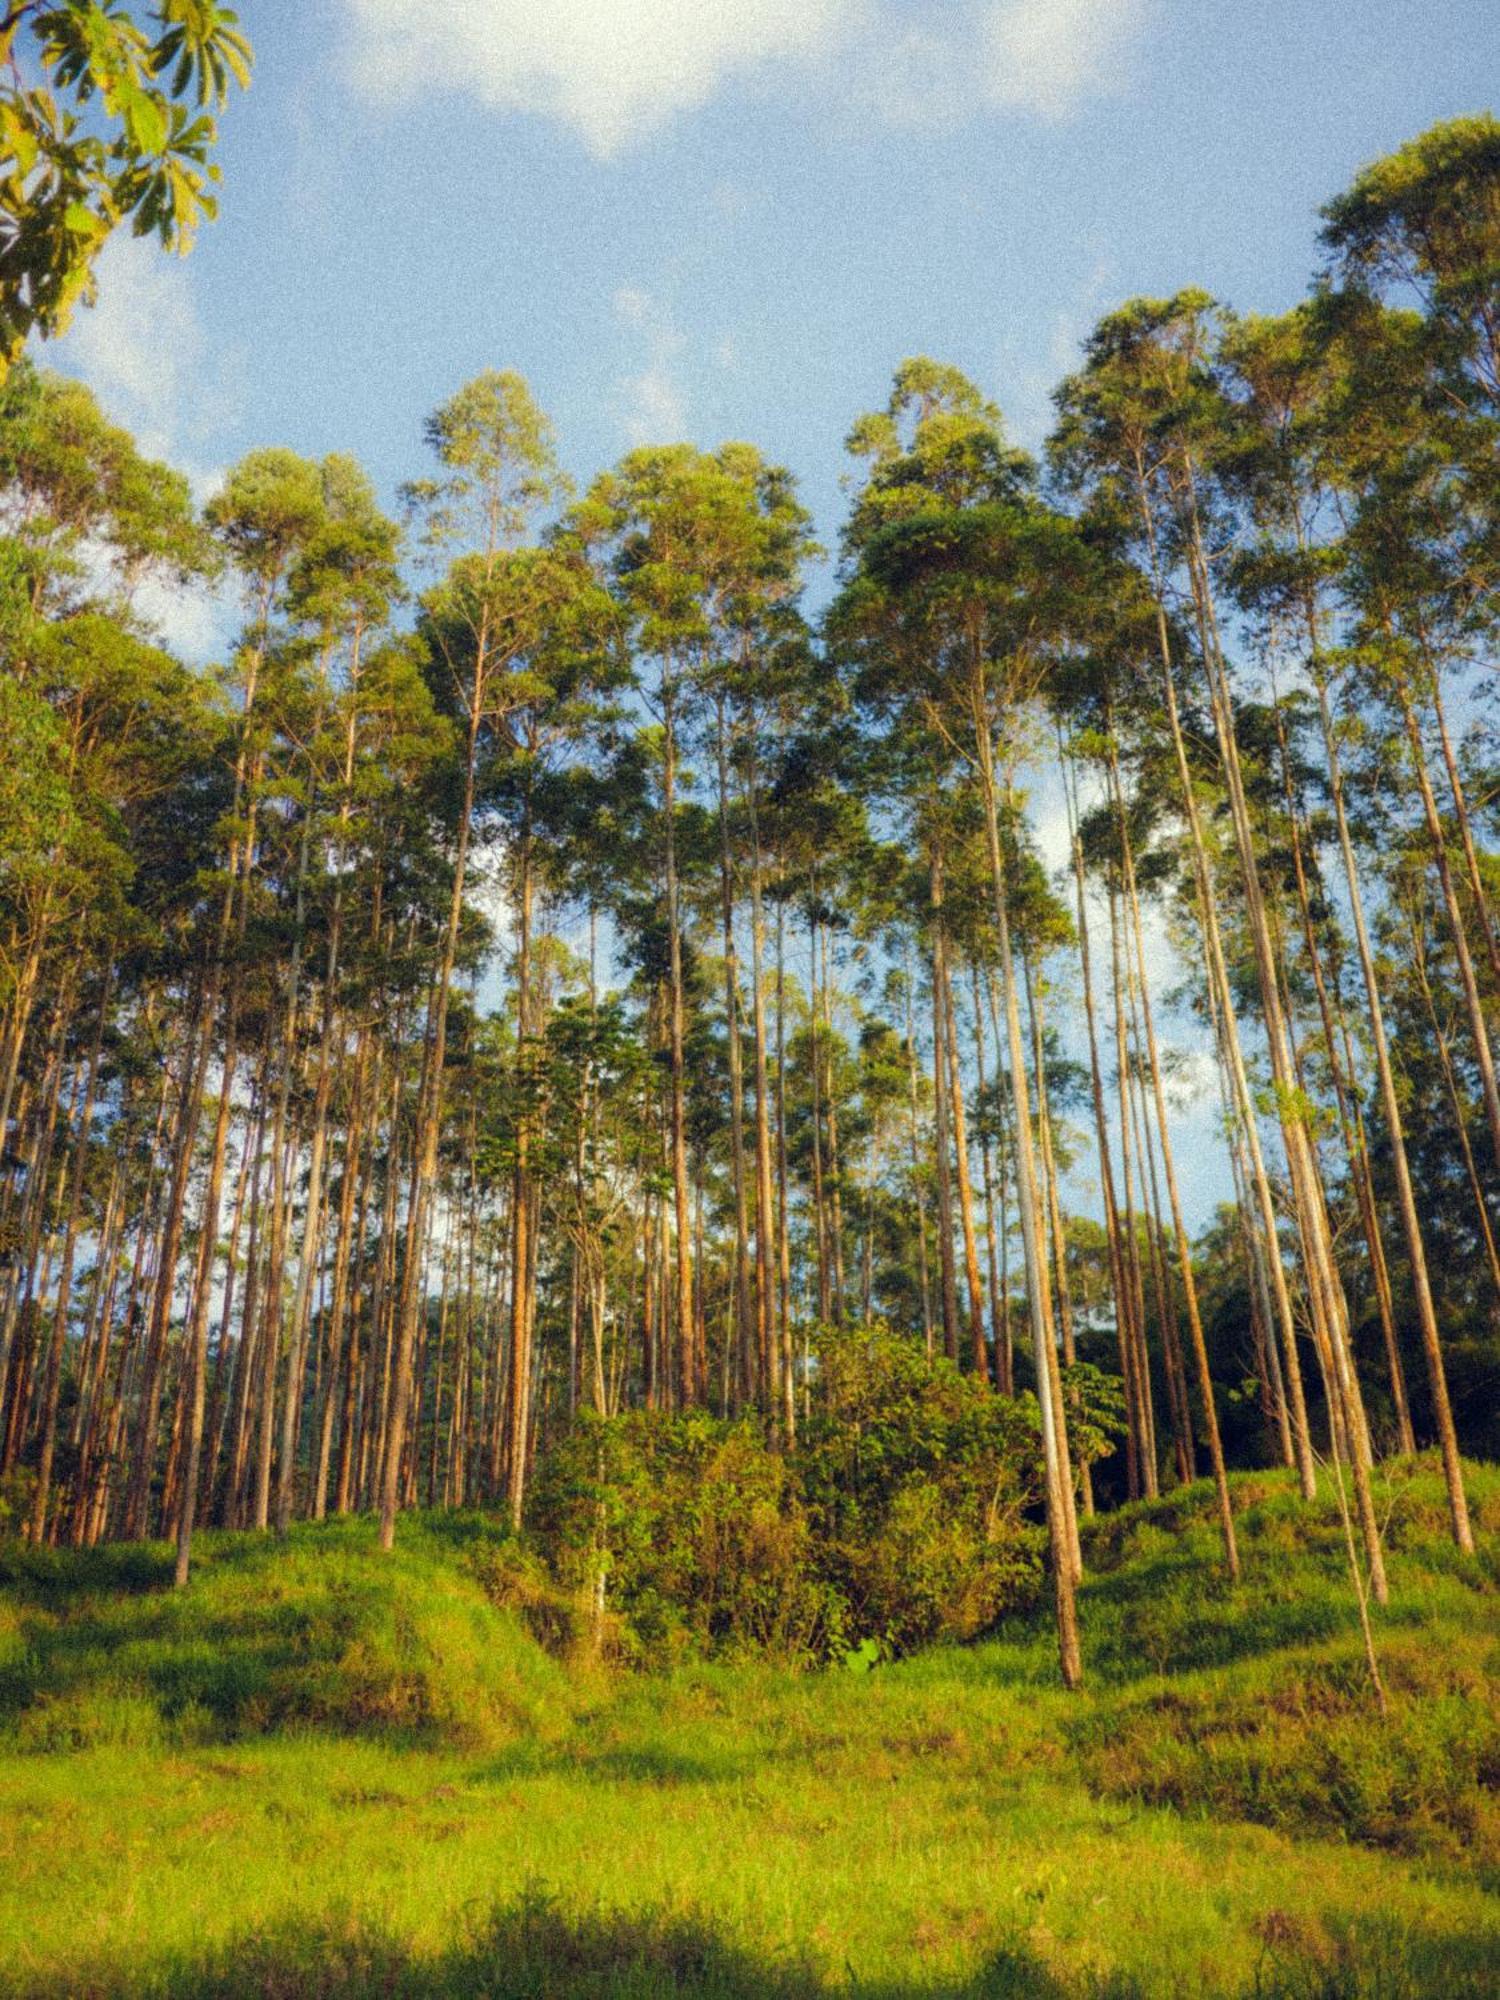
(321, 1771)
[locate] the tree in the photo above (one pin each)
(952, 556)
(498, 470)
(105, 119)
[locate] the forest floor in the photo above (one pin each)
(319, 1771)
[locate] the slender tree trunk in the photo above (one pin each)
(965, 1188)
(783, 1231)
(1317, 1241)
(1455, 1099)
(1221, 998)
(1124, 1302)
(1001, 1362)
(941, 1115)
(518, 1403)
(918, 1183)
(767, 1335)
(52, 1371)
(425, 1150)
(676, 1012)
(1054, 1440)
(1360, 1162)
(1179, 1228)
(747, 1356)
(1131, 1257)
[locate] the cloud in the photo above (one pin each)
(1029, 411)
(612, 69)
(652, 410)
(143, 352)
(619, 70)
(135, 344)
(1046, 56)
(141, 349)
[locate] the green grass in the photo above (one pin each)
(321, 1771)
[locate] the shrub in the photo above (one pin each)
(900, 1517)
(692, 1529)
(919, 1479)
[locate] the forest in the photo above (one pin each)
(706, 1060)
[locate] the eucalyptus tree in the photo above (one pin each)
(269, 505)
(962, 579)
(341, 594)
(1114, 448)
(127, 722)
(497, 472)
(103, 722)
(699, 547)
(85, 520)
(1421, 228)
(1289, 378)
(1414, 475)
(759, 647)
(1145, 423)
(1424, 222)
(559, 702)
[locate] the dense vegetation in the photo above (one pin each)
(488, 1039)
(323, 1769)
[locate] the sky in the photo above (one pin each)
(713, 219)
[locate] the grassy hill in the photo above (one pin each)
(324, 1771)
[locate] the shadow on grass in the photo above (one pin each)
(221, 1661)
(654, 1764)
(325, 1632)
(1174, 1615)
(57, 1579)
(534, 1950)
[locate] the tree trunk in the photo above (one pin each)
(1054, 1440)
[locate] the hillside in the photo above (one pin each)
(321, 1771)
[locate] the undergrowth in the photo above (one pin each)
(324, 1770)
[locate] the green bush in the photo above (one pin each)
(692, 1530)
(918, 1479)
(900, 1516)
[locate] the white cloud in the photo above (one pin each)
(617, 70)
(193, 623)
(143, 352)
(1046, 56)
(919, 74)
(1029, 411)
(633, 305)
(130, 346)
(652, 409)
(612, 69)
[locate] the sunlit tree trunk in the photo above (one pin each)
(1120, 1288)
(965, 1185)
(1054, 1438)
(1179, 1227)
(942, 1106)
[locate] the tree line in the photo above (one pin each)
(543, 969)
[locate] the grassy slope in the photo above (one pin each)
(322, 1771)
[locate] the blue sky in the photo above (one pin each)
(733, 218)
(722, 218)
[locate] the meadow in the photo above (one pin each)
(319, 1770)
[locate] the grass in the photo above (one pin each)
(321, 1771)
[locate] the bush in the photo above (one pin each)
(689, 1527)
(899, 1518)
(919, 1480)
